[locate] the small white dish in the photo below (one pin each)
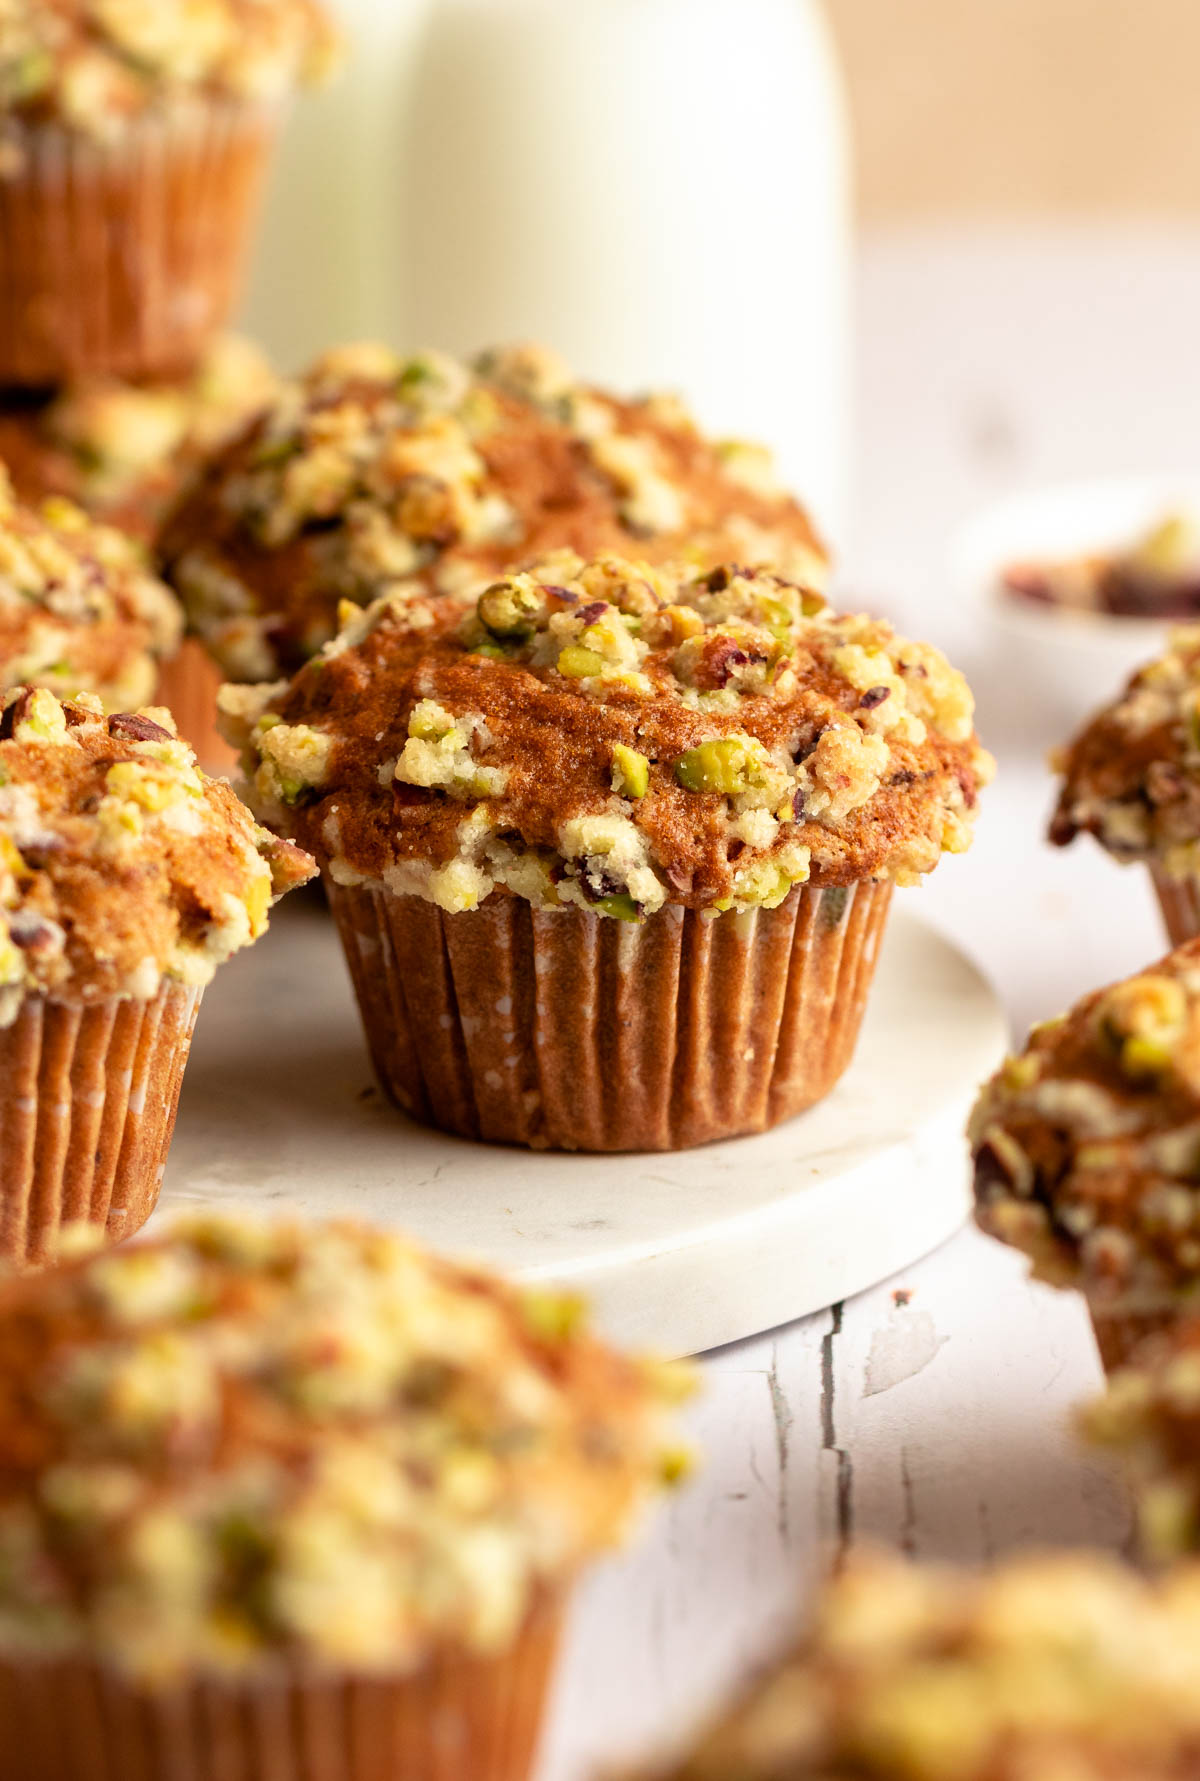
(1046, 669)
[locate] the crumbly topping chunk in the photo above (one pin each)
(94, 65)
(1087, 1144)
(1056, 1666)
(252, 1443)
(124, 451)
(616, 736)
(1132, 776)
(79, 611)
(120, 862)
(377, 475)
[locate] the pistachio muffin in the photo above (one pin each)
(133, 142)
(1064, 1667)
(376, 475)
(611, 850)
(79, 610)
(300, 1502)
(1087, 1151)
(1150, 1417)
(1131, 778)
(123, 451)
(126, 878)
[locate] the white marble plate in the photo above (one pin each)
(678, 1252)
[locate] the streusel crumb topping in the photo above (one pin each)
(247, 1445)
(79, 610)
(377, 474)
(124, 451)
(95, 65)
(120, 862)
(1131, 778)
(1087, 1144)
(1064, 1667)
(616, 736)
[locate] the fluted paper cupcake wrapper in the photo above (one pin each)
(1179, 900)
(88, 1095)
(461, 1719)
(126, 258)
(1120, 1333)
(573, 1031)
(187, 686)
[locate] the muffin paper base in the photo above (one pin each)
(461, 1719)
(573, 1031)
(187, 686)
(124, 259)
(1119, 1334)
(88, 1094)
(1179, 900)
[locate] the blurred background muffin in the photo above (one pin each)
(376, 474)
(1086, 1152)
(612, 851)
(133, 143)
(124, 451)
(1051, 1666)
(1131, 778)
(79, 609)
(1150, 1418)
(126, 878)
(284, 1500)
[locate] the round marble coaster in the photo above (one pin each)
(678, 1252)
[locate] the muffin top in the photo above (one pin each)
(619, 737)
(376, 474)
(124, 450)
(79, 611)
(1150, 1415)
(1087, 1145)
(1132, 776)
(120, 862)
(94, 65)
(1065, 1667)
(249, 1444)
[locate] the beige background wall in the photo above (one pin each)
(1013, 107)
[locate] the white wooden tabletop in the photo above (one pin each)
(933, 1413)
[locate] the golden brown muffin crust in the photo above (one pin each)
(376, 473)
(640, 737)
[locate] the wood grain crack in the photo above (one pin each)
(783, 1418)
(829, 1440)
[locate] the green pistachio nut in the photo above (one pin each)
(1145, 1056)
(726, 765)
(511, 608)
(577, 663)
(620, 906)
(631, 771)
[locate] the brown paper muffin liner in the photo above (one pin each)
(461, 1719)
(88, 1094)
(124, 259)
(1179, 899)
(1119, 1334)
(187, 686)
(572, 1031)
